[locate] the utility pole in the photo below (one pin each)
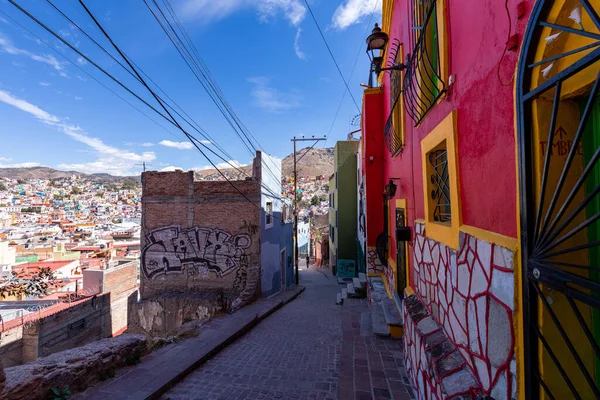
(143, 165)
(302, 139)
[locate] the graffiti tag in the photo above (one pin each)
(197, 251)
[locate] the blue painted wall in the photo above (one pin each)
(275, 234)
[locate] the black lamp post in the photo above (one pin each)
(376, 44)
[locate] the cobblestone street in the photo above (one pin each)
(302, 352)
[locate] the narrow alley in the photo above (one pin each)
(310, 349)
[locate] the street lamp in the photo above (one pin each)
(376, 44)
(390, 189)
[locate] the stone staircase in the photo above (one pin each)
(356, 288)
(385, 315)
(386, 319)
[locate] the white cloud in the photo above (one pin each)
(271, 99)
(211, 10)
(6, 46)
(171, 168)
(299, 52)
(21, 165)
(44, 84)
(351, 12)
(177, 145)
(5, 158)
(111, 159)
(81, 61)
(78, 98)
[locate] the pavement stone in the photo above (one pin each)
(309, 349)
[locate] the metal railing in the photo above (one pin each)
(392, 140)
(423, 83)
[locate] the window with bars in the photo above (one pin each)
(423, 78)
(394, 127)
(439, 184)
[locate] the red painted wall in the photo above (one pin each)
(477, 33)
(483, 95)
(373, 122)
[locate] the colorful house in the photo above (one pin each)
(343, 206)
(479, 158)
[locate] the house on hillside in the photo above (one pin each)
(342, 209)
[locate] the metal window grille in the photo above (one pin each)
(392, 141)
(440, 185)
(392, 137)
(423, 83)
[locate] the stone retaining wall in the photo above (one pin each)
(76, 368)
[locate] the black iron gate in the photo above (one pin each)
(558, 114)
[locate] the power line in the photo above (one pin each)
(362, 42)
(332, 57)
(193, 124)
(157, 98)
(201, 68)
(172, 121)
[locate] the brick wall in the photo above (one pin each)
(75, 326)
(11, 347)
(198, 236)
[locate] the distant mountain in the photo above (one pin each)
(50, 173)
(317, 161)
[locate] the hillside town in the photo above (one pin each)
(68, 225)
(434, 235)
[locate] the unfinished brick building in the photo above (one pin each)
(201, 243)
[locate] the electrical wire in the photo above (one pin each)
(331, 54)
(512, 78)
(188, 54)
(87, 73)
(158, 100)
(172, 121)
(353, 67)
(193, 124)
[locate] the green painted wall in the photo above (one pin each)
(345, 199)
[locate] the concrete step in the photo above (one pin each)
(350, 290)
(357, 284)
(391, 313)
(344, 293)
(362, 277)
(380, 327)
(344, 281)
(339, 300)
(377, 292)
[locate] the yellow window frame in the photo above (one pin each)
(447, 232)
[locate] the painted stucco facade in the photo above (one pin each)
(276, 228)
(461, 292)
(343, 213)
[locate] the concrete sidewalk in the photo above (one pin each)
(163, 368)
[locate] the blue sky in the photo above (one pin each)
(266, 55)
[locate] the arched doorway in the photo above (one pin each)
(558, 111)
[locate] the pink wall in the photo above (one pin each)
(477, 33)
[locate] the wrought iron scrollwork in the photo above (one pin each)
(440, 184)
(423, 83)
(558, 84)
